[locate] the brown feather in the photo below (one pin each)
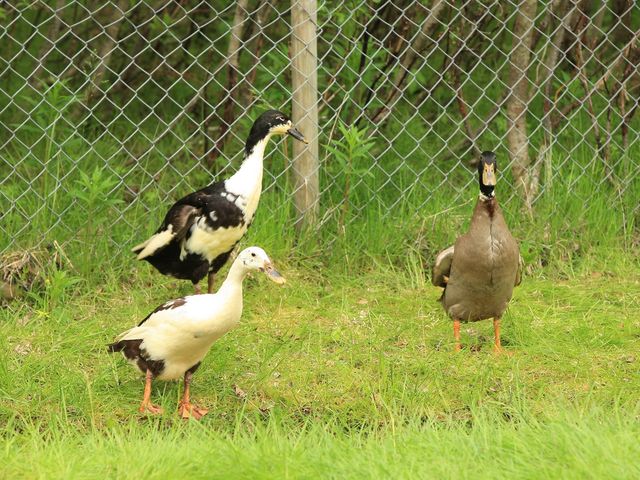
(484, 267)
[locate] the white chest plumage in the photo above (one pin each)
(247, 182)
(244, 190)
(210, 243)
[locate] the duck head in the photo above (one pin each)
(272, 122)
(487, 169)
(255, 258)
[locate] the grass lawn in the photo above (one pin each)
(336, 375)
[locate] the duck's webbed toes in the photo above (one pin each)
(151, 408)
(189, 410)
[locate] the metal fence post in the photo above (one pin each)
(304, 59)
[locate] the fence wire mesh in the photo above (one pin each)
(109, 111)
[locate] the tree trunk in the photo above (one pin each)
(261, 18)
(518, 100)
(567, 12)
(412, 52)
(622, 30)
(233, 64)
(50, 41)
(106, 49)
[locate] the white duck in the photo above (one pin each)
(173, 339)
(200, 230)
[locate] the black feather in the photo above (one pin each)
(133, 350)
(178, 302)
(210, 203)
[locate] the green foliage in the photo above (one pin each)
(350, 158)
(95, 191)
(96, 196)
(350, 151)
(57, 290)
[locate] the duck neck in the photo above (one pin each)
(486, 196)
(486, 191)
(248, 179)
(233, 282)
(488, 204)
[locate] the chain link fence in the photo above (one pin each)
(110, 111)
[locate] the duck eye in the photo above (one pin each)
(253, 254)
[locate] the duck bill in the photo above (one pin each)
(489, 177)
(273, 274)
(295, 133)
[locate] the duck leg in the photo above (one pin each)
(186, 409)
(497, 347)
(456, 334)
(210, 280)
(146, 405)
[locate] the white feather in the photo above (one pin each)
(210, 242)
(182, 336)
(247, 181)
(155, 242)
(244, 189)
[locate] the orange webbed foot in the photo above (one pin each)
(189, 410)
(151, 409)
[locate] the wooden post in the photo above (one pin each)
(304, 62)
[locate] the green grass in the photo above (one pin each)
(573, 446)
(347, 374)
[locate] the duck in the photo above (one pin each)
(173, 339)
(200, 231)
(479, 272)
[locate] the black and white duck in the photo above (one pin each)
(200, 230)
(481, 269)
(173, 339)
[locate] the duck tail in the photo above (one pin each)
(115, 347)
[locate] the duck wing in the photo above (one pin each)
(177, 222)
(168, 312)
(186, 316)
(519, 271)
(170, 305)
(442, 267)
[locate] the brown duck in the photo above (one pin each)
(479, 272)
